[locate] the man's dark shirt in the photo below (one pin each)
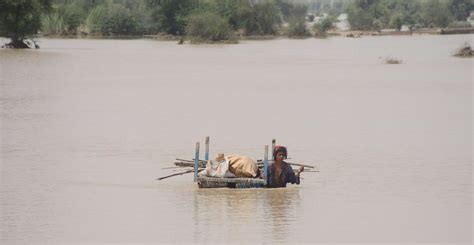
(287, 175)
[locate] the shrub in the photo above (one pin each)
(72, 16)
(460, 24)
(93, 20)
(170, 15)
(397, 21)
(323, 25)
(52, 24)
(113, 19)
(208, 27)
(263, 19)
(297, 28)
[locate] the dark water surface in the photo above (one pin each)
(88, 125)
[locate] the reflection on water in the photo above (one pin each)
(88, 125)
(222, 213)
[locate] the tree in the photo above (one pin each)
(368, 14)
(436, 14)
(359, 18)
(21, 18)
(460, 9)
(297, 28)
(113, 18)
(170, 15)
(323, 26)
(207, 26)
(267, 16)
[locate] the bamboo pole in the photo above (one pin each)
(196, 162)
(190, 163)
(206, 156)
(291, 163)
(265, 165)
(181, 173)
(273, 147)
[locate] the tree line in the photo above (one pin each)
(215, 20)
(380, 14)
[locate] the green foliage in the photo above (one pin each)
(460, 9)
(397, 21)
(298, 10)
(359, 18)
(235, 11)
(21, 18)
(460, 24)
(171, 14)
(208, 26)
(404, 12)
(113, 19)
(73, 16)
(435, 14)
(290, 11)
(119, 20)
(52, 24)
(285, 8)
(324, 25)
(297, 28)
(94, 19)
(376, 14)
(264, 19)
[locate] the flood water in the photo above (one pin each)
(88, 125)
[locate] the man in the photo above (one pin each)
(280, 172)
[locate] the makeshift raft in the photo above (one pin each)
(213, 182)
(198, 165)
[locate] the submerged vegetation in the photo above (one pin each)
(393, 61)
(464, 51)
(222, 20)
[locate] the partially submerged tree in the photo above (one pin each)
(20, 19)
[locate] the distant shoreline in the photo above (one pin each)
(346, 33)
(388, 32)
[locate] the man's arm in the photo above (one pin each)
(292, 177)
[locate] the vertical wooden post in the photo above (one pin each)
(206, 156)
(196, 162)
(273, 147)
(265, 165)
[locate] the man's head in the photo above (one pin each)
(280, 153)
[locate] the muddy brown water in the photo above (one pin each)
(88, 125)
